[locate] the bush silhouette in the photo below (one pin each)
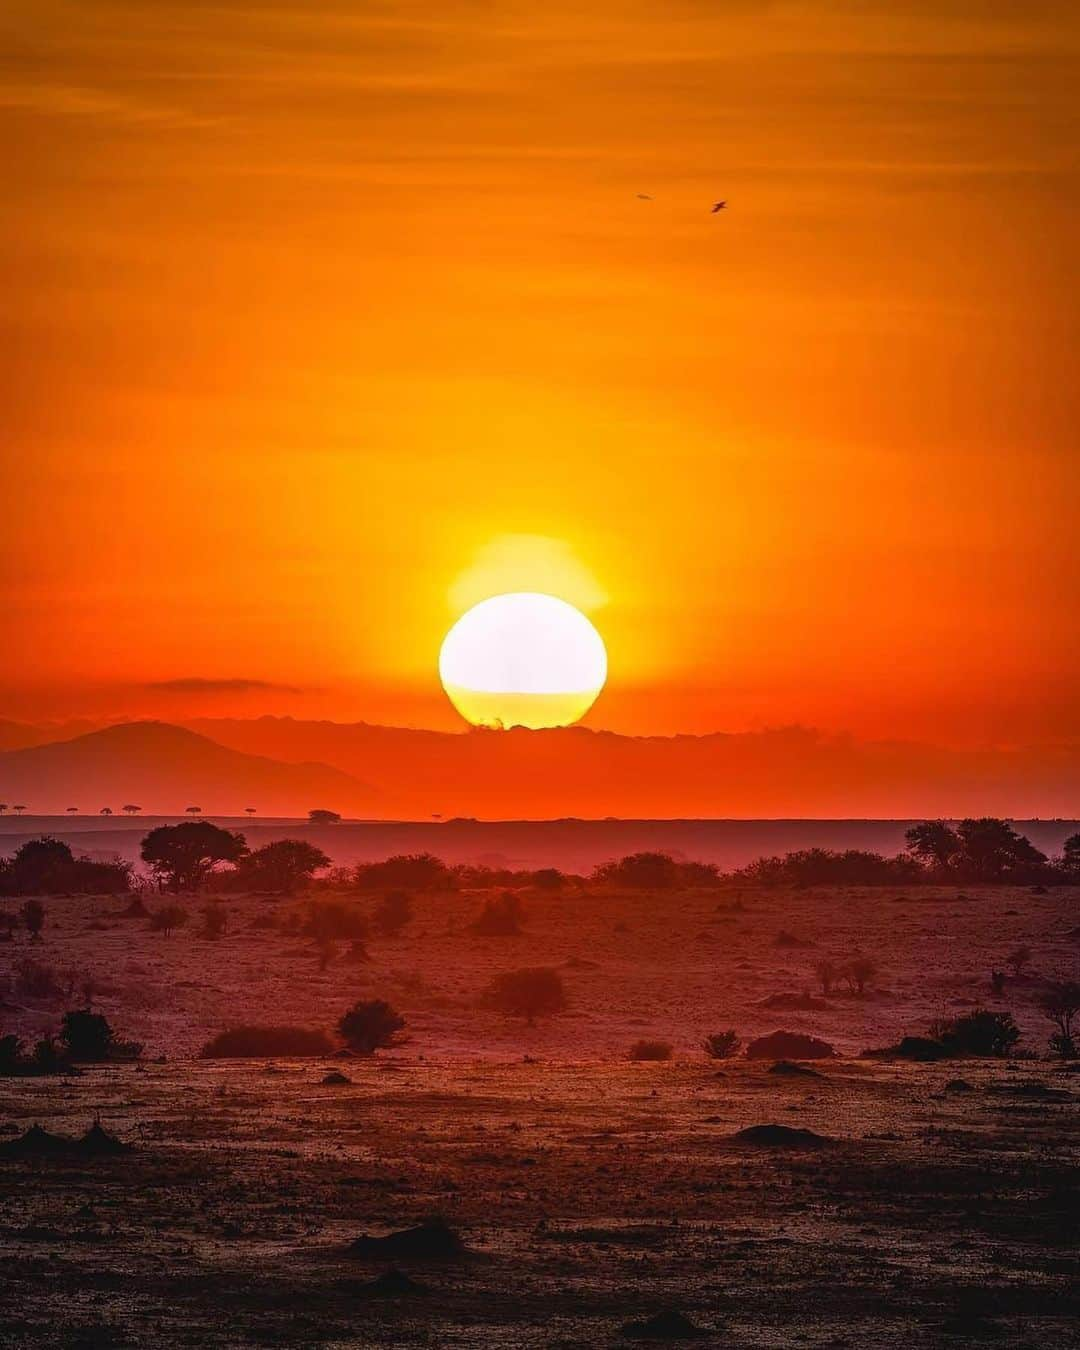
(369, 1026)
(721, 1045)
(285, 866)
(248, 1042)
(408, 871)
(500, 917)
(166, 918)
(650, 1050)
(978, 1033)
(88, 1037)
(393, 912)
(1060, 1003)
(33, 916)
(534, 992)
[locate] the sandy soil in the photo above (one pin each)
(590, 1192)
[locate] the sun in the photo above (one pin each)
(523, 659)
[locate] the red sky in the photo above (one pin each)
(322, 320)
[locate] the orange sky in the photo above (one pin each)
(318, 318)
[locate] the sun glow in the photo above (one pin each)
(523, 659)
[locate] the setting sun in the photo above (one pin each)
(523, 659)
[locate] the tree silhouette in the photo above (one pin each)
(105, 811)
(320, 816)
(193, 810)
(368, 1026)
(183, 856)
(131, 810)
(3, 807)
(249, 810)
(73, 810)
(284, 865)
(18, 810)
(933, 843)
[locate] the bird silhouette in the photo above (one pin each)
(718, 207)
(643, 197)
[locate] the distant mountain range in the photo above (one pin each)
(164, 768)
(283, 766)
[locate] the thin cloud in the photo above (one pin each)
(196, 685)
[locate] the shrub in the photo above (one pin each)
(650, 1050)
(321, 816)
(368, 1026)
(500, 917)
(859, 972)
(825, 867)
(331, 919)
(978, 1033)
(721, 1045)
(34, 979)
(640, 871)
(530, 993)
(215, 921)
(33, 916)
(258, 1042)
(393, 912)
(407, 871)
(87, 1036)
(1017, 960)
(284, 866)
(548, 879)
(789, 1045)
(166, 918)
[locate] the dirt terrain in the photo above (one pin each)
(937, 1208)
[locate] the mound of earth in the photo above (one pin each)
(789, 1045)
(392, 1283)
(787, 1069)
(958, 1085)
(664, 1326)
(432, 1240)
(335, 1078)
(39, 1143)
(781, 1136)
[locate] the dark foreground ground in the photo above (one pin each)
(589, 1195)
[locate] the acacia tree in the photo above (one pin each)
(181, 857)
(1060, 1002)
(934, 843)
(131, 809)
(991, 850)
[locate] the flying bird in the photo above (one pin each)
(718, 207)
(643, 197)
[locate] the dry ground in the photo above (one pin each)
(590, 1191)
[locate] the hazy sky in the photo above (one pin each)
(320, 319)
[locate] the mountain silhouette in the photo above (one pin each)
(165, 769)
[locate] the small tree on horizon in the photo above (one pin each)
(320, 816)
(131, 809)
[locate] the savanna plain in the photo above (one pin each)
(582, 1178)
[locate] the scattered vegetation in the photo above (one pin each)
(47, 866)
(655, 872)
(370, 1026)
(981, 1033)
(87, 1037)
